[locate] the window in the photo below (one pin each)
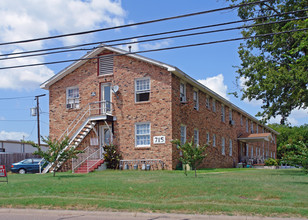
(214, 105)
(207, 138)
(183, 134)
(257, 128)
(247, 150)
(230, 114)
(241, 120)
(222, 113)
(214, 140)
(72, 98)
(196, 137)
(271, 154)
(142, 133)
(182, 92)
(207, 104)
(251, 129)
(247, 129)
(223, 151)
(259, 151)
(142, 89)
(263, 130)
(105, 65)
(196, 100)
(230, 147)
(274, 155)
(251, 151)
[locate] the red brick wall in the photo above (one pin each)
(164, 111)
(157, 111)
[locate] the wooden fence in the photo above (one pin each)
(8, 159)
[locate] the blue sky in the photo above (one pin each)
(213, 64)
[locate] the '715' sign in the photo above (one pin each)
(159, 139)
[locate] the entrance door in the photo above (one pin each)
(106, 136)
(105, 98)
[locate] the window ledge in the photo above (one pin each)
(142, 147)
(100, 76)
(145, 102)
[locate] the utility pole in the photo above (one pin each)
(38, 118)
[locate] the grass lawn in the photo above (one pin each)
(281, 193)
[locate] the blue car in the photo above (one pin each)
(31, 165)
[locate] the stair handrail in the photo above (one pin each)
(100, 157)
(86, 110)
(84, 151)
(87, 159)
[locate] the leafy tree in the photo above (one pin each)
(274, 68)
(55, 153)
(112, 156)
(297, 155)
(192, 154)
(289, 135)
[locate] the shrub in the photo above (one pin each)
(112, 156)
(271, 162)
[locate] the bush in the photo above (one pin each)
(112, 156)
(271, 162)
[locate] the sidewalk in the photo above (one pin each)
(38, 214)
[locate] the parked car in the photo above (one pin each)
(31, 165)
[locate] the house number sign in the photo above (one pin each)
(159, 139)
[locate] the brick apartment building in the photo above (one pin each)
(140, 105)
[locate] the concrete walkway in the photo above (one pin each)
(38, 214)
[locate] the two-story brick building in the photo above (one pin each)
(140, 105)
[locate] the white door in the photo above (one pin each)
(105, 98)
(106, 136)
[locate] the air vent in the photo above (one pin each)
(106, 65)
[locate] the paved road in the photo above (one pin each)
(38, 214)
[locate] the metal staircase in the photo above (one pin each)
(85, 122)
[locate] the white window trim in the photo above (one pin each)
(207, 138)
(223, 113)
(207, 102)
(214, 105)
(197, 142)
(230, 114)
(196, 105)
(142, 78)
(67, 89)
(214, 140)
(247, 125)
(241, 120)
(185, 96)
(185, 130)
(230, 147)
(251, 127)
(142, 146)
(223, 146)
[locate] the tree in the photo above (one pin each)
(289, 135)
(297, 155)
(56, 153)
(192, 154)
(274, 68)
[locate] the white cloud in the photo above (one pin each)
(157, 45)
(13, 135)
(295, 117)
(253, 102)
(2, 118)
(216, 83)
(27, 19)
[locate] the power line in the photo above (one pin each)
(134, 24)
(23, 97)
(67, 48)
(155, 50)
(169, 37)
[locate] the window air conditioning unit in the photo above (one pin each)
(69, 106)
(183, 99)
(231, 122)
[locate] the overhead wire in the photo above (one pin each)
(169, 37)
(133, 24)
(68, 48)
(155, 50)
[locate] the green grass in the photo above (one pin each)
(281, 193)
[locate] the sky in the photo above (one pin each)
(213, 65)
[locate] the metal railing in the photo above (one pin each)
(91, 109)
(90, 154)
